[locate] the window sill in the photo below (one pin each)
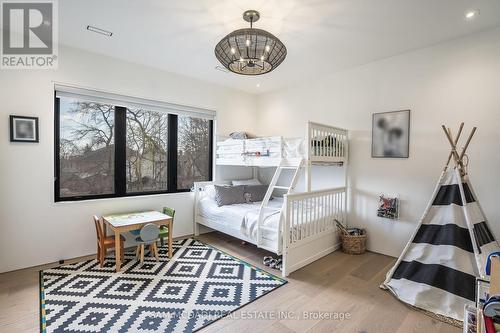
(125, 197)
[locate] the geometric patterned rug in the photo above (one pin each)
(199, 285)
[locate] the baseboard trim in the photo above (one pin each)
(313, 258)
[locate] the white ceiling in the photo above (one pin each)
(321, 35)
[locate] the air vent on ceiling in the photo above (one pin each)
(99, 31)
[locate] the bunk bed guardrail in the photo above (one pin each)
(309, 234)
(323, 144)
(327, 144)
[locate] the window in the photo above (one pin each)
(147, 151)
(193, 154)
(107, 150)
(86, 148)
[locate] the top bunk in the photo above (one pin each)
(325, 145)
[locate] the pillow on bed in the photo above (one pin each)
(239, 135)
(246, 182)
(229, 195)
(210, 191)
(255, 193)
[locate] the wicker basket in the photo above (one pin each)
(353, 244)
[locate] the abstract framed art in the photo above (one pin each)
(391, 134)
(23, 129)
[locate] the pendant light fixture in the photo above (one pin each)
(250, 51)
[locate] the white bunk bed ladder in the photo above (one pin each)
(284, 165)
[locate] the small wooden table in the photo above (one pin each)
(121, 223)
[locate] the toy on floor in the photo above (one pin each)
(273, 263)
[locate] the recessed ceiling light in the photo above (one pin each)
(257, 85)
(470, 14)
(99, 31)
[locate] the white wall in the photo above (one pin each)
(448, 83)
(34, 229)
(445, 84)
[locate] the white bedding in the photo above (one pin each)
(243, 217)
(240, 220)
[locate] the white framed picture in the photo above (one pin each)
(23, 129)
(391, 134)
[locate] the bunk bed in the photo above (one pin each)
(299, 225)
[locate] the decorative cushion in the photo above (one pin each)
(255, 193)
(246, 182)
(229, 195)
(210, 191)
(239, 135)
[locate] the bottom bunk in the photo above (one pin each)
(300, 226)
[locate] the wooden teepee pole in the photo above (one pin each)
(454, 153)
(462, 154)
(455, 143)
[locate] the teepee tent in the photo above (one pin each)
(448, 250)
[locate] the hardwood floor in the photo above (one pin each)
(337, 283)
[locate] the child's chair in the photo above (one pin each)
(164, 229)
(148, 235)
(104, 243)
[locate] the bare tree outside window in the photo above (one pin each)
(193, 152)
(106, 150)
(146, 150)
(86, 148)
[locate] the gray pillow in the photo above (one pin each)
(255, 193)
(239, 135)
(229, 195)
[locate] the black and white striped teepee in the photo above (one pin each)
(448, 250)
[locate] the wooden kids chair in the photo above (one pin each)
(104, 243)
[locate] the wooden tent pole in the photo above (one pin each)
(455, 142)
(448, 135)
(454, 153)
(453, 147)
(448, 161)
(459, 133)
(451, 153)
(467, 143)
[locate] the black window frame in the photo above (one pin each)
(120, 179)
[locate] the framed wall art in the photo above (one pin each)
(391, 134)
(23, 129)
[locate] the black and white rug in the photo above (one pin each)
(199, 285)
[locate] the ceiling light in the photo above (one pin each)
(471, 14)
(257, 85)
(99, 31)
(221, 68)
(254, 60)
